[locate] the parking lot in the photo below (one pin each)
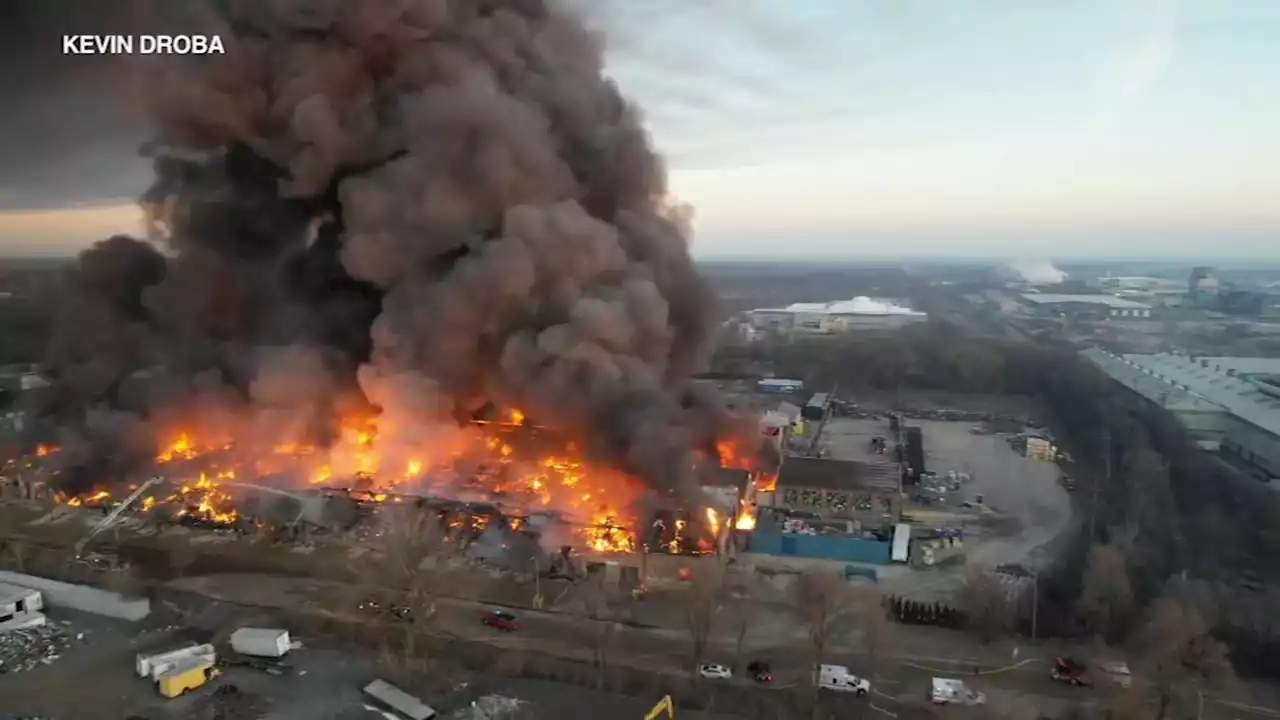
(93, 678)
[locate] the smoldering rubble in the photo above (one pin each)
(429, 207)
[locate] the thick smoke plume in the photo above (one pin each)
(429, 206)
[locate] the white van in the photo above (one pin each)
(837, 678)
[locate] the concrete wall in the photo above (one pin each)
(81, 597)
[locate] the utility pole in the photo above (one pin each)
(1035, 604)
(1106, 476)
(537, 583)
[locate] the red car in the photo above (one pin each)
(501, 620)
(1072, 672)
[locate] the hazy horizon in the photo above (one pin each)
(836, 129)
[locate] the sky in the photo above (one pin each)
(831, 128)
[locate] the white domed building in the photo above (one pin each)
(859, 313)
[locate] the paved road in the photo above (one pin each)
(656, 648)
(902, 684)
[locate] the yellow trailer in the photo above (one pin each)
(186, 676)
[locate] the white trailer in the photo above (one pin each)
(399, 700)
(20, 608)
(947, 691)
(155, 664)
(260, 642)
(900, 551)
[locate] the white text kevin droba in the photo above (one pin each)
(142, 45)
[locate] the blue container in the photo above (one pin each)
(821, 547)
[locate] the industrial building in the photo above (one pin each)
(1098, 307)
(1134, 283)
(866, 493)
(1225, 402)
(860, 313)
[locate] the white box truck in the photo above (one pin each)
(260, 642)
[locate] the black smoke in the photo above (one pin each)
(432, 206)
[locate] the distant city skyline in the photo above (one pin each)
(867, 128)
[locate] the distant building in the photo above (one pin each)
(780, 386)
(1133, 283)
(1233, 402)
(1101, 307)
(1203, 285)
(1240, 302)
(860, 313)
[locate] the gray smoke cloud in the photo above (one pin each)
(429, 205)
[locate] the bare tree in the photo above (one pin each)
(1179, 655)
(879, 633)
(1107, 598)
(823, 602)
(706, 594)
(604, 605)
(985, 605)
(742, 609)
(17, 551)
(400, 565)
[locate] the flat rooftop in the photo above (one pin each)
(10, 594)
(1108, 300)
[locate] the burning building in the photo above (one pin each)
(381, 233)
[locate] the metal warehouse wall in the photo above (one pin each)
(824, 547)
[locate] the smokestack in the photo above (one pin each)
(425, 205)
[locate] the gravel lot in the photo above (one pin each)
(1027, 507)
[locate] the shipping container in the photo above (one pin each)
(780, 386)
(817, 407)
(399, 700)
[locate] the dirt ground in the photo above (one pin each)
(1026, 507)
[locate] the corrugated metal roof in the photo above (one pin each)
(1108, 300)
(837, 474)
(1183, 383)
(1245, 365)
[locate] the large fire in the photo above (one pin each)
(485, 463)
(733, 455)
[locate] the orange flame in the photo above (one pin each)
(487, 462)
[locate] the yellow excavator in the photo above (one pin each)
(664, 706)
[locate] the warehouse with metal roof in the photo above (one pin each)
(1105, 306)
(1233, 401)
